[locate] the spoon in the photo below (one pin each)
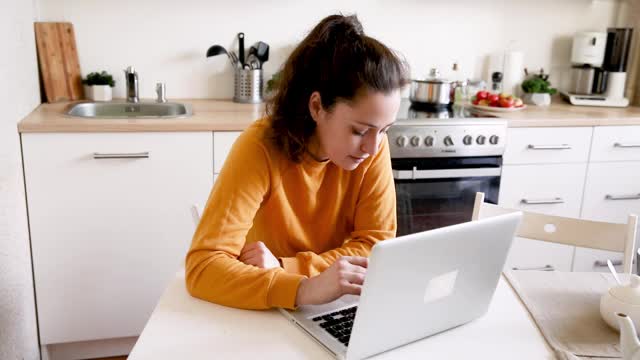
(614, 272)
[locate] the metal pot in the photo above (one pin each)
(432, 90)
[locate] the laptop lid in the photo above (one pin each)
(425, 283)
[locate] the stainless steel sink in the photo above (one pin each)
(141, 110)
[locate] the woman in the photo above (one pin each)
(306, 192)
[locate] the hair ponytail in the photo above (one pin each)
(340, 62)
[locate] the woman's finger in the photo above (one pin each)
(357, 260)
(352, 289)
(253, 251)
(248, 247)
(354, 278)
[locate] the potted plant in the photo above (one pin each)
(537, 89)
(98, 86)
(272, 85)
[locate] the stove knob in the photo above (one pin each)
(415, 141)
(428, 141)
(481, 139)
(401, 141)
(448, 141)
(494, 139)
(467, 140)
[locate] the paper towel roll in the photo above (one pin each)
(513, 73)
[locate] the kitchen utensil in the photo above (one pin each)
(263, 51)
(58, 61)
(234, 59)
(623, 299)
(253, 62)
(241, 48)
(432, 90)
(216, 50)
(248, 85)
(253, 50)
(613, 271)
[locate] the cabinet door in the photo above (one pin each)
(612, 192)
(547, 145)
(616, 143)
(110, 224)
(554, 189)
(222, 142)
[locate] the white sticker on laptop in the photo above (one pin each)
(440, 286)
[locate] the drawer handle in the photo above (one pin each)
(140, 155)
(549, 147)
(542, 201)
(541, 268)
(621, 145)
(603, 263)
(622, 197)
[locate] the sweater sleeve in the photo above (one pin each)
(213, 271)
(375, 219)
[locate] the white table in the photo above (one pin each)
(182, 327)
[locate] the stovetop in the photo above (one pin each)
(414, 113)
(456, 131)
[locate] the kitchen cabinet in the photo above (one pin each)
(547, 145)
(544, 171)
(582, 172)
(615, 143)
(554, 189)
(612, 190)
(222, 142)
(110, 223)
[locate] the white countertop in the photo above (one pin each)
(225, 115)
(182, 327)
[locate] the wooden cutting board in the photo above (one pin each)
(58, 60)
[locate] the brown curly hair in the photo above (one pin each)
(340, 62)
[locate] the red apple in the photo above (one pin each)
(506, 102)
(493, 98)
(482, 95)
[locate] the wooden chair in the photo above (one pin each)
(569, 231)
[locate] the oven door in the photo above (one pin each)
(436, 192)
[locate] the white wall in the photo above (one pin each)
(166, 39)
(18, 96)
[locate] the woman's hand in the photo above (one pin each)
(257, 254)
(345, 276)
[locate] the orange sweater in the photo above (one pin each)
(308, 214)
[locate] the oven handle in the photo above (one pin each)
(444, 173)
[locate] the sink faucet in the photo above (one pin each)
(131, 77)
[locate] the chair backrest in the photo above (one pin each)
(569, 231)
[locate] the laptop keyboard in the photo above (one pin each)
(338, 323)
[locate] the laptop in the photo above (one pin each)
(416, 286)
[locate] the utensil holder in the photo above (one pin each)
(248, 86)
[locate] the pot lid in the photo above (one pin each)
(628, 294)
(434, 78)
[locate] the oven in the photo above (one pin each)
(440, 163)
(437, 192)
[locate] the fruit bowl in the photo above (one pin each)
(498, 109)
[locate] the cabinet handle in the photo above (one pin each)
(140, 155)
(542, 201)
(603, 263)
(622, 197)
(549, 147)
(621, 145)
(541, 268)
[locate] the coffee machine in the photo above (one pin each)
(599, 68)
